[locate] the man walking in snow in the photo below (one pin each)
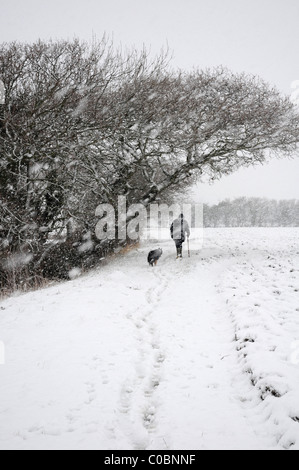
(179, 229)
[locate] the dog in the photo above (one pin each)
(154, 256)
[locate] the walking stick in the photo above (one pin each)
(189, 254)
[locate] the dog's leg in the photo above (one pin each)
(156, 261)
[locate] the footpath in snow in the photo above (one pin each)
(194, 354)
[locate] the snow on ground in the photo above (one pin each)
(194, 354)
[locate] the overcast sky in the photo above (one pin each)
(255, 36)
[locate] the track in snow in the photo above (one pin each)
(184, 356)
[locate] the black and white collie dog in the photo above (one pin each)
(154, 256)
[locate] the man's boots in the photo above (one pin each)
(179, 252)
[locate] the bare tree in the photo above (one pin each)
(85, 123)
(252, 212)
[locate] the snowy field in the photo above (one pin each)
(195, 354)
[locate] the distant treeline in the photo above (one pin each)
(252, 212)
